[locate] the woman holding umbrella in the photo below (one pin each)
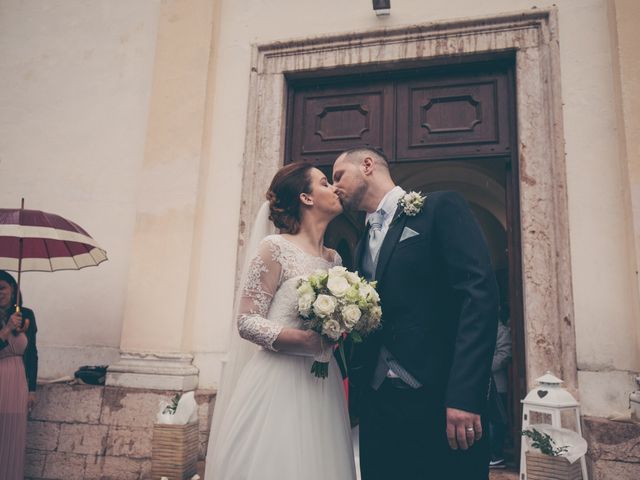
(18, 373)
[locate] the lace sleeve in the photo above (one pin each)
(262, 280)
(337, 259)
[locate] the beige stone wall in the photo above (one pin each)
(90, 432)
(604, 305)
(74, 101)
(626, 14)
(130, 118)
(602, 255)
(168, 185)
(105, 108)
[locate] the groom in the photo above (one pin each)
(425, 375)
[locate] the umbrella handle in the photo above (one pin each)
(25, 322)
(25, 326)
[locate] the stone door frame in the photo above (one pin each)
(532, 37)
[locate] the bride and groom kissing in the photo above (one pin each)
(420, 381)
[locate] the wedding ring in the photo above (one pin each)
(469, 429)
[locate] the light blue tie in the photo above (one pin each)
(376, 219)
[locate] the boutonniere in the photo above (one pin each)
(411, 203)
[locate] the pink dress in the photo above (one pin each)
(13, 408)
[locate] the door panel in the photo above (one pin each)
(328, 121)
(451, 118)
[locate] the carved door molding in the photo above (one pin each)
(541, 180)
(432, 114)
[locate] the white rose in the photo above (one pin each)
(324, 305)
(338, 286)
(331, 328)
(376, 314)
(351, 314)
(369, 293)
(319, 275)
(338, 271)
(352, 277)
(304, 288)
(305, 301)
(373, 295)
(316, 279)
(372, 320)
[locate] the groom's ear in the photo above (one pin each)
(367, 165)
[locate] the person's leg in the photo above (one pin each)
(422, 427)
(499, 430)
(400, 433)
(378, 420)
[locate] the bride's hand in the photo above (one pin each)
(303, 342)
(312, 342)
(322, 347)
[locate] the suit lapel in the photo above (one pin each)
(390, 242)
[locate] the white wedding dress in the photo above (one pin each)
(281, 422)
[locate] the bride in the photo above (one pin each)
(273, 419)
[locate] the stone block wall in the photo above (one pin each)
(614, 449)
(97, 432)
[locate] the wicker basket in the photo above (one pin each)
(174, 451)
(546, 467)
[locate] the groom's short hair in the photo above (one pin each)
(356, 153)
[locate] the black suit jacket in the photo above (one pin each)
(439, 303)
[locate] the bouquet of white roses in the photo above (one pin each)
(338, 303)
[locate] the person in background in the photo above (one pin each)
(18, 374)
(498, 400)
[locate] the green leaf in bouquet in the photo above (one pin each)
(356, 337)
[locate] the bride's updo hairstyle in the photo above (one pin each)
(284, 195)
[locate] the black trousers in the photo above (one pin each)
(403, 437)
(497, 424)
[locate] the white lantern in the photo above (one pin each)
(551, 399)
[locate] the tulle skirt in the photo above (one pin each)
(283, 423)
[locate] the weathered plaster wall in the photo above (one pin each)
(168, 185)
(602, 256)
(604, 306)
(74, 99)
(106, 119)
(625, 15)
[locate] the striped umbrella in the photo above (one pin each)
(35, 241)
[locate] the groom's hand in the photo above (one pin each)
(463, 428)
